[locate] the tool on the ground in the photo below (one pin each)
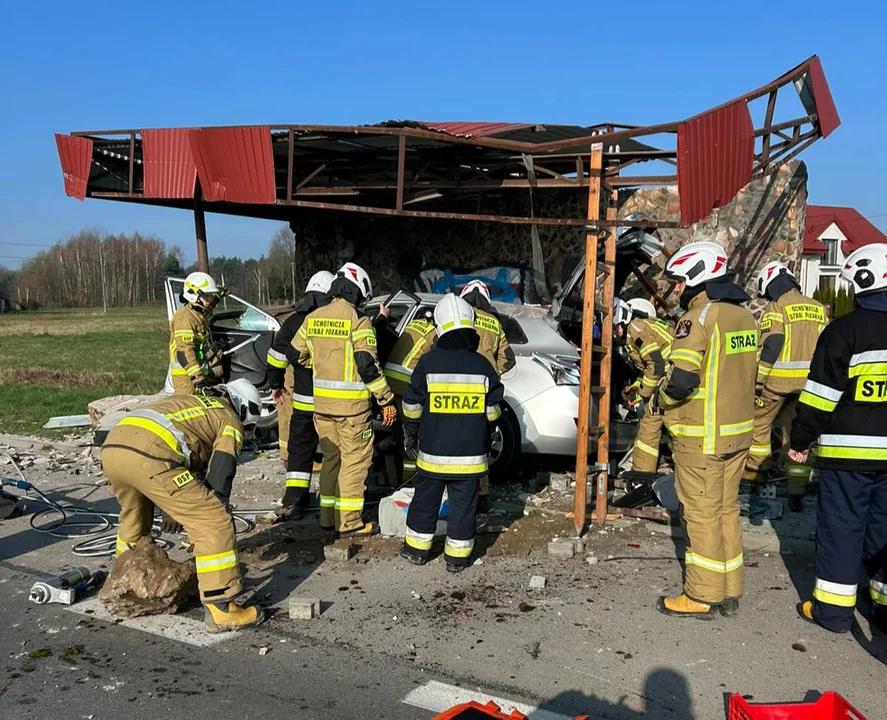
(64, 589)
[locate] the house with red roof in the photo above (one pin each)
(831, 234)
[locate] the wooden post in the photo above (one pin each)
(591, 243)
(401, 163)
(200, 232)
(132, 161)
(289, 165)
(603, 443)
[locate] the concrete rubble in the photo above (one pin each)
(145, 581)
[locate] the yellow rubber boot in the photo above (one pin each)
(805, 610)
(682, 606)
(368, 530)
(219, 618)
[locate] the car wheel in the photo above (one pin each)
(505, 450)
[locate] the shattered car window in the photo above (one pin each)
(234, 315)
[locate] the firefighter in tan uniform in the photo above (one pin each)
(790, 327)
(340, 344)
(151, 458)
(648, 341)
(493, 344)
(193, 361)
(417, 339)
(708, 401)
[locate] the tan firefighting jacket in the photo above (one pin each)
(417, 339)
(340, 344)
(191, 352)
(649, 341)
(790, 327)
(194, 431)
(708, 396)
(493, 344)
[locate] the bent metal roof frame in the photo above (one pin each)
(389, 169)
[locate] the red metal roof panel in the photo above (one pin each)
(856, 228)
(715, 155)
(75, 154)
(822, 96)
(475, 129)
(170, 170)
(235, 164)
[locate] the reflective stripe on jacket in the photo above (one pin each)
(417, 339)
(649, 342)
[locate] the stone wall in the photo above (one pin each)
(765, 222)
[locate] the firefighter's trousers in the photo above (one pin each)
(285, 414)
(852, 527)
(780, 410)
(300, 456)
(461, 520)
(347, 446)
(708, 490)
(140, 483)
(645, 456)
(406, 467)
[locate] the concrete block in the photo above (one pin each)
(561, 550)
(339, 552)
(537, 582)
(559, 482)
(304, 608)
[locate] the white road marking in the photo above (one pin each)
(174, 627)
(438, 696)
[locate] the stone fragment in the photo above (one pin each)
(145, 581)
(339, 553)
(537, 582)
(304, 608)
(562, 550)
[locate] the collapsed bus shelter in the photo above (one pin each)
(460, 172)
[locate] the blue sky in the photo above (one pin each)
(69, 66)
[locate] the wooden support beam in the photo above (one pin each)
(200, 232)
(768, 121)
(596, 172)
(132, 161)
(401, 163)
(308, 178)
(606, 375)
(289, 165)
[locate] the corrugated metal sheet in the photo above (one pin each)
(822, 96)
(75, 154)
(170, 170)
(715, 155)
(474, 129)
(235, 164)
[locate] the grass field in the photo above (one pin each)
(55, 363)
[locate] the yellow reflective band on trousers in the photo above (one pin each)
(298, 479)
(832, 593)
(878, 592)
(417, 540)
(305, 403)
(349, 504)
(458, 548)
(644, 448)
(691, 558)
(327, 501)
(214, 563)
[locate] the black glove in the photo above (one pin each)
(411, 446)
(491, 435)
(654, 402)
(169, 524)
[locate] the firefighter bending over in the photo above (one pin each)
(152, 456)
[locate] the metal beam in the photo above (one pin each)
(289, 166)
(401, 162)
(200, 232)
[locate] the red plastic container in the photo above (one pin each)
(830, 706)
(476, 711)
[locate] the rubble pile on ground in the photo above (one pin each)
(144, 581)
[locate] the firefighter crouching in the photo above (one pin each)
(193, 361)
(295, 408)
(843, 408)
(648, 341)
(151, 457)
(417, 339)
(708, 400)
(339, 343)
(790, 326)
(453, 396)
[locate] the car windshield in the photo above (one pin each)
(232, 314)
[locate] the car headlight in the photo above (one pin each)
(563, 370)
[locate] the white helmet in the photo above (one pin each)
(357, 275)
(866, 268)
(198, 285)
(245, 400)
(320, 282)
(642, 306)
(621, 312)
(768, 274)
(697, 263)
(452, 313)
(478, 285)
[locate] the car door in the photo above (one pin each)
(244, 332)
